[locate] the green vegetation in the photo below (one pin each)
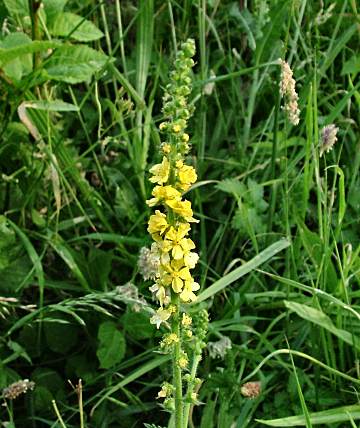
(277, 196)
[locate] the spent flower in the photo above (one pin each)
(328, 138)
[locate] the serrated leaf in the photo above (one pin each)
(232, 186)
(22, 64)
(53, 8)
(24, 46)
(74, 64)
(112, 345)
(69, 24)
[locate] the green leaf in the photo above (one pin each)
(18, 46)
(137, 326)
(74, 64)
(112, 346)
(22, 64)
(243, 270)
(75, 26)
(232, 185)
(332, 416)
(17, 8)
(319, 318)
(352, 66)
(52, 9)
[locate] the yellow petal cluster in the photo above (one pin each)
(170, 225)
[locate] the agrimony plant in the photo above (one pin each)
(169, 228)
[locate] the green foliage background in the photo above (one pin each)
(80, 97)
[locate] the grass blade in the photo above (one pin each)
(244, 269)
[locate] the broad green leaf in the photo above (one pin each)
(243, 270)
(17, 8)
(8, 54)
(22, 64)
(74, 64)
(319, 318)
(52, 9)
(137, 326)
(111, 348)
(76, 27)
(332, 416)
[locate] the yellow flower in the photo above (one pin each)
(176, 242)
(185, 137)
(163, 126)
(187, 294)
(157, 223)
(176, 128)
(176, 274)
(163, 193)
(169, 339)
(160, 172)
(187, 176)
(190, 259)
(166, 390)
(166, 148)
(186, 320)
(183, 208)
(183, 362)
(160, 316)
(160, 294)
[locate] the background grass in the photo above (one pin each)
(73, 191)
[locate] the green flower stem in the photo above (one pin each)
(177, 369)
(190, 388)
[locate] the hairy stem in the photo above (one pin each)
(177, 370)
(190, 388)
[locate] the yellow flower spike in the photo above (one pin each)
(187, 294)
(157, 223)
(160, 172)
